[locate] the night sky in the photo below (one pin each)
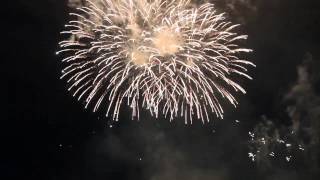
(49, 135)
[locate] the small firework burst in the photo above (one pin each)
(168, 57)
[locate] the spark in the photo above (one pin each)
(280, 141)
(168, 57)
(252, 156)
(301, 148)
(288, 158)
(272, 154)
(288, 145)
(251, 134)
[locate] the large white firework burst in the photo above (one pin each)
(166, 56)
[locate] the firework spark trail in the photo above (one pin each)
(164, 56)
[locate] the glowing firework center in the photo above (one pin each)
(165, 56)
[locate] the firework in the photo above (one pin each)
(168, 57)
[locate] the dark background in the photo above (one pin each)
(49, 135)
